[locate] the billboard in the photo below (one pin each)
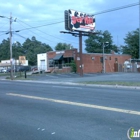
(22, 60)
(78, 21)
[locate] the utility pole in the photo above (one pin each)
(139, 29)
(11, 59)
(80, 53)
(103, 66)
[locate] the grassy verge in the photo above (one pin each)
(113, 83)
(4, 74)
(19, 76)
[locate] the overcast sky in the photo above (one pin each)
(43, 12)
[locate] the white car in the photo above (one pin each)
(3, 70)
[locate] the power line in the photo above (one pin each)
(41, 25)
(33, 32)
(20, 36)
(118, 8)
(102, 12)
(46, 33)
(29, 21)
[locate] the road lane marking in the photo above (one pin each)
(76, 104)
(67, 87)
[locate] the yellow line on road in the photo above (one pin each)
(76, 104)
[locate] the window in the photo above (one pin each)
(51, 63)
(116, 59)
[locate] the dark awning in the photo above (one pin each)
(58, 57)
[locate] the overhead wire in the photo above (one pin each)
(102, 12)
(48, 34)
(41, 25)
(29, 21)
(117, 8)
(19, 35)
(32, 31)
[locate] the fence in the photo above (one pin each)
(126, 67)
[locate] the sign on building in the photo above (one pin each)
(78, 21)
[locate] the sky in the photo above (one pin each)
(51, 13)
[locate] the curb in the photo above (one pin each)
(79, 84)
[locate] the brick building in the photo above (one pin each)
(59, 61)
(92, 62)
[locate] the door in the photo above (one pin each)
(42, 66)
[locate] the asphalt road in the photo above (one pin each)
(33, 111)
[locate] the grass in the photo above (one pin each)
(4, 74)
(18, 76)
(113, 83)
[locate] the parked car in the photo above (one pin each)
(3, 70)
(34, 68)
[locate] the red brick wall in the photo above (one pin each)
(70, 53)
(92, 66)
(95, 66)
(66, 53)
(51, 55)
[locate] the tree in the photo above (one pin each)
(33, 47)
(132, 44)
(73, 66)
(94, 43)
(5, 50)
(17, 50)
(30, 48)
(63, 46)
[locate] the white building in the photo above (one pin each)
(42, 62)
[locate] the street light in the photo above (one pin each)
(103, 66)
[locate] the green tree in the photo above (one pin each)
(73, 66)
(30, 48)
(63, 46)
(94, 43)
(5, 50)
(33, 47)
(132, 44)
(17, 50)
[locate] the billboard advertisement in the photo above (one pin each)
(78, 21)
(22, 59)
